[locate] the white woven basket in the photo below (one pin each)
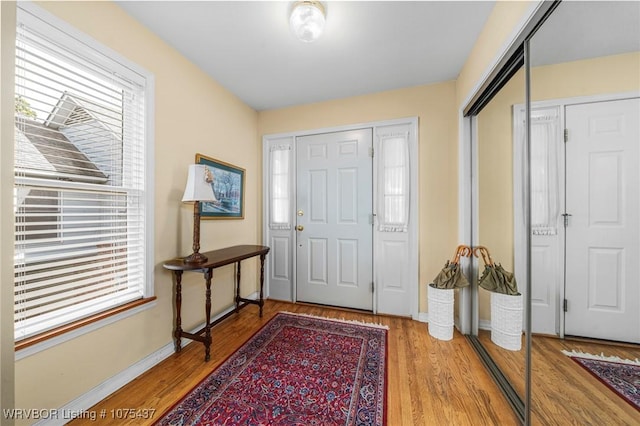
(506, 321)
(440, 305)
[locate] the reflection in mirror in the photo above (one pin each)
(500, 315)
(585, 211)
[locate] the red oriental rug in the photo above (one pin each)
(620, 375)
(296, 370)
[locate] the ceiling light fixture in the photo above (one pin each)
(307, 20)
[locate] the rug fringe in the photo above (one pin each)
(601, 357)
(346, 321)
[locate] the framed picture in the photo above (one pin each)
(228, 187)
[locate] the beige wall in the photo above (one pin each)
(609, 74)
(193, 114)
(434, 105)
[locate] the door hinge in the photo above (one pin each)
(372, 219)
(565, 303)
(371, 151)
(566, 135)
(566, 219)
(372, 286)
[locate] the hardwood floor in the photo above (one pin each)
(430, 382)
(563, 392)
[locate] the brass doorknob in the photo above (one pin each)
(299, 227)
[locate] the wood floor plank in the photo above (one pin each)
(430, 382)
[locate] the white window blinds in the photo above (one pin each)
(79, 195)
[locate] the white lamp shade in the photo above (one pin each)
(307, 20)
(199, 184)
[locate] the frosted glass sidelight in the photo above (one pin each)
(280, 157)
(393, 213)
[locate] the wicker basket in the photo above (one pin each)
(440, 305)
(506, 321)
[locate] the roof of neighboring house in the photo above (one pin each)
(42, 151)
(72, 109)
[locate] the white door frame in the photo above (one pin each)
(280, 279)
(519, 243)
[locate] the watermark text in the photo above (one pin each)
(36, 414)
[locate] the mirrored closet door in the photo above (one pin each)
(585, 200)
(500, 314)
(556, 200)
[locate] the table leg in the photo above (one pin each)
(177, 333)
(237, 287)
(261, 302)
(207, 307)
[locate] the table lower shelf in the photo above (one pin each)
(202, 336)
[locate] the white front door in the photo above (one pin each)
(602, 285)
(334, 230)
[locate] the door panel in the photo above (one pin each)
(602, 238)
(334, 230)
(606, 286)
(317, 261)
(279, 252)
(544, 256)
(393, 279)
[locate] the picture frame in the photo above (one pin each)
(228, 187)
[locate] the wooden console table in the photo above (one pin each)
(216, 259)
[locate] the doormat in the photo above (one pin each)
(620, 375)
(296, 370)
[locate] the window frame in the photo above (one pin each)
(87, 47)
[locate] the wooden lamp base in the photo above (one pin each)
(196, 257)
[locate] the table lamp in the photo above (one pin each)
(199, 189)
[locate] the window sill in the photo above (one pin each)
(46, 340)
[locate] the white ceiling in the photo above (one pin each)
(367, 47)
(587, 29)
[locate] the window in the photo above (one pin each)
(280, 156)
(544, 157)
(80, 198)
(394, 182)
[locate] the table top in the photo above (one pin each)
(218, 258)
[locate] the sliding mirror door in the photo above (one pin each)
(500, 314)
(585, 211)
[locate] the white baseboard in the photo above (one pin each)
(80, 407)
(484, 324)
